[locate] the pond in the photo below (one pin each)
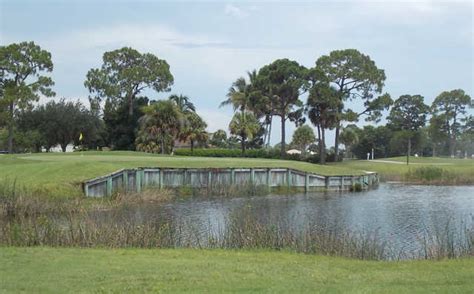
(400, 215)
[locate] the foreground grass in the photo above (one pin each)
(185, 270)
(395, 168)
(61, 174)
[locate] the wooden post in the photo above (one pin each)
(342, 183)
(184, 177)
(269, 184)
(109, 186)
(138, 181)
(288, 178)
(252, 176)
(232, 176)
(326, 182)
(306, 182)
(160, 178)
(209, 179)
(86, 189)
(125, 180)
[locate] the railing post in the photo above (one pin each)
(184, 177)
(269, 184)
(109, 186)
(138, 181)
(306, 182)
(160, 178)
(252, 176)
(288, 178)
(232, 176)
(209, 179)
(342, 183)
(125, 180)
(86, 189)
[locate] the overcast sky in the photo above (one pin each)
(425, 47)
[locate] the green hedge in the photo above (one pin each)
(251, 153)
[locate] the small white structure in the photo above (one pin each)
(57, 148)
(293, 151)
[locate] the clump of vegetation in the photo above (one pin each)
(356, 187)
(26, 220)
(431, 175)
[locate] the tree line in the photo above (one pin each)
(122, 117)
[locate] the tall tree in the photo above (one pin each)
(283, 82)
(302, 137)
(408, 114)
(121, 128)
(244, 125)
(355, 76)
(453, 106)
(21, 79)
(322, 108)
(219, 138)
(183, 102)
(125, 73)
(349, 137)
(194, 129)
(159, 127)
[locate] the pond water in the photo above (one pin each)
(399, 214)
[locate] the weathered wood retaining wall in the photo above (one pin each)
(135, 180)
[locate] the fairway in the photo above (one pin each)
(41, 270)
(58, 173)
(394, 169)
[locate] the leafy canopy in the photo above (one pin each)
(125, 73)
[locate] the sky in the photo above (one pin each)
(425, 47)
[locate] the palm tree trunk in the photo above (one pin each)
(192, 146)
(270, 131)
(323, 147)
(282, 148)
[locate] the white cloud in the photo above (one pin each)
(235, 11)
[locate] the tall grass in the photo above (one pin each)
(26, 220)
(436, 175)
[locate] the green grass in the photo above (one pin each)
(61, 174)
(461, 170)
(66, 270)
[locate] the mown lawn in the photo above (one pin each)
(62, 173)
(395, 168)
(67, 270)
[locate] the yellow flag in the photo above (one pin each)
(80, 136)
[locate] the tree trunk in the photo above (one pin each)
(63, 147)
(10, 129)
(269, 131)
(192, 146)
(434, 150)
(282, 148)
(409, 150)
(242, 142)
(336, 142)
(323, 147)
(130, 106)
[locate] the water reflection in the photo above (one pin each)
(400, 214)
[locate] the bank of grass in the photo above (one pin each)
(65, 270)
(62, 174)
(423, 170)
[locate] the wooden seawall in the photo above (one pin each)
(134, 180)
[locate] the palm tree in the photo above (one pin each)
(183, 102)
(161, 123)
(244, 125)
(194, 129)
